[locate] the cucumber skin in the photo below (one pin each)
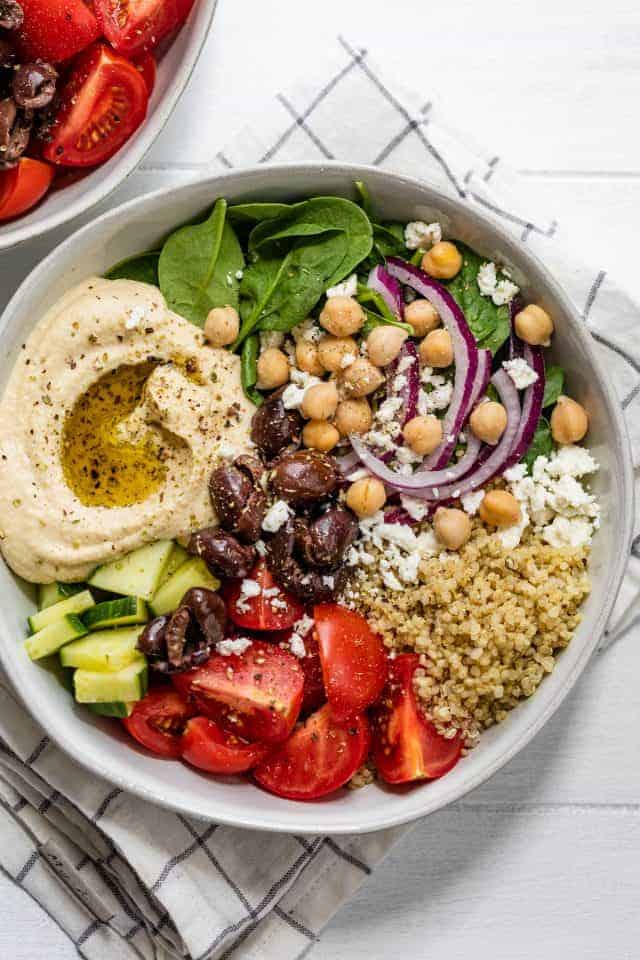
(116, 709)
(50, 593)
(75, 629)
(98, 617)
(76, 604)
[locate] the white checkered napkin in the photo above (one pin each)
(124, 879)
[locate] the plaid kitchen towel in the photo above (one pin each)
(125, 879)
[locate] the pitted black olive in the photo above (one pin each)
(222, 553)
(7, 53)
(152, 641)
(34, 85)
(310, 586)
(11, 15)
(324, 541)
(15, 129)
(274, 429)
(209, 610)
(238, 498)
(305, 476)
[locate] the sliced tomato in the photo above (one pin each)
(158, 721)
(133, 26)
(314, 693)
(407, 746)
(103, 101)
(320, 756)
(146, 67)
(206, 746)
(23, 186)
(354, 664)
(55, 30)
(256, 694)
(272, 608)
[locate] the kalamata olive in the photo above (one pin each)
(324, 541)
(151, 641)
(7, 53)
(304, 476)
(15, 130)
(222, 553)
(209, 610)
(34, 85)
(176, 635)
(274, 429)
(238, 498)
(310, 586)
(11, 15)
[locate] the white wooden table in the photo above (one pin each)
(543, 861)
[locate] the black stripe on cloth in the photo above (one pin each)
(493, 163)
(28, 866)
(301, 122)
(224, 160)
(616, 349)
(630, 397)
(354, 861)
(102, 809)
(180, 858)
(20, 805)
(49, 801)
(88, 932)
(37, 751)
(526, 232)
(303, 843)
(635, 547)
(514, 218)
(404, 133)
(300, 927)
(223, 873)
(593, 293)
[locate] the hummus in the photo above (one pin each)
(114, 416)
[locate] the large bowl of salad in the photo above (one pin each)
(326, 509)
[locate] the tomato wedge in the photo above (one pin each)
(407, 746)
(23, 186)
(102, 103)
(256, 694)
(158, 721)
(271, 608)
(314, 692)
(55, 30)
(147, 68)
(206, 746)
(354, 664)
(133, 26)
(321, 755)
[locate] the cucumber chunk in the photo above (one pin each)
(193, 573)
(116, 709)
(78, 603)
(138, 574)
(50, 593)
(104, 651)
(178, 556)
(53, 636)
(122, 686)
(116, 613)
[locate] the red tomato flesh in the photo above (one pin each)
(23, 186)
(270, 609)
(206, 746)
(133, 26)
(354, 664)
(158, 721)
(147, 68)
(102, 103)
(407, 746)
(54, 30)
(256, 694)
(321, 755)
(314, 692)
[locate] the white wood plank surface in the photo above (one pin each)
(543, 859)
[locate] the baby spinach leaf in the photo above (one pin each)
(541, 445)
(256, 212)
(198, 266)
(489, 324)
(249, 369)
(377, 320)
(553, 384)
(364, 197)
(143, 267)
(371, 299)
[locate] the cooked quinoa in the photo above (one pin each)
(488, 623)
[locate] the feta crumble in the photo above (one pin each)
(520, 372)
(276, 516)
(348, 288)
(236, 645)
(293, 395)
(248, 589)
(271, 338)
(501, 291)
(471, 501)
(419, 235)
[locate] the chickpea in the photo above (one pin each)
(362, 378)
(365, 497)
(222, 326)
(452, 527)
(499, 508)
(353, 416)
(423, 434)
(307, 358)
(333, 350)
(384, 344)
(320, 401)
(320, 435)
(436, 350)
(534, 325)
(569, 421)
(489, 421)
(422, 316)
(443, 261)
(273, 369)
(342, 316)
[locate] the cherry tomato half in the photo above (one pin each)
(102, 103)
(407, 746)
(23, 186)
(272, 608)
(206, 746)
(133, 26)
(354, 664)
(158, 721)
(147, 68)
(55, 30)
(320, 756)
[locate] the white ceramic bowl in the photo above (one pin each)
(174, 70)
(101, 746)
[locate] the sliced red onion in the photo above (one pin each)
(420, 484)
(465, 353)
(399, 515)
(347, 462)
(515, 343)
(381, 281)
(531, 406)
(408, 392)
(483, 375)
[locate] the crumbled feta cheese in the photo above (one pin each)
(408, 567)
(429, 401)
(329, 581)
(348, 287)
(471, 502)
(390, 580)
(388, 409)
(307, 330)
(572, 461)
(271, 338)
(511, 536)
(500, 291)
(379, 439)
(228, 450)
(236, 645)
(407, 455)
(405, 363)
(261, 548)
(360, 474)
(399, 382)
(293, 395)
(296, 646)
(417, 509)
(276, 516)
(248, 588)
(564, 532)
(520, 372)
(419, 235)
(347, 360)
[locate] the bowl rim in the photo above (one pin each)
(133, 152)
(375, 820)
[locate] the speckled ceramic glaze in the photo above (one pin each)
(100, 745)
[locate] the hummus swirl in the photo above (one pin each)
(114, 416)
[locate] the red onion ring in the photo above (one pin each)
(381, 281)
(421, 483)
(531, 406)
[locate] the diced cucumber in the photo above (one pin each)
(193, 573)
(55, 635)
(78, 603)
(178, 556)
(138, 574)
(116, 613)
(117, 709)
(124, 685)
(103, 651)
(50, 593)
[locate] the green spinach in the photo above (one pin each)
(364, 198)
(198, 266)
(541, 445)
(489, 324)
(249, 369)
(143, 267)
(553, 384)
(252, 213)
